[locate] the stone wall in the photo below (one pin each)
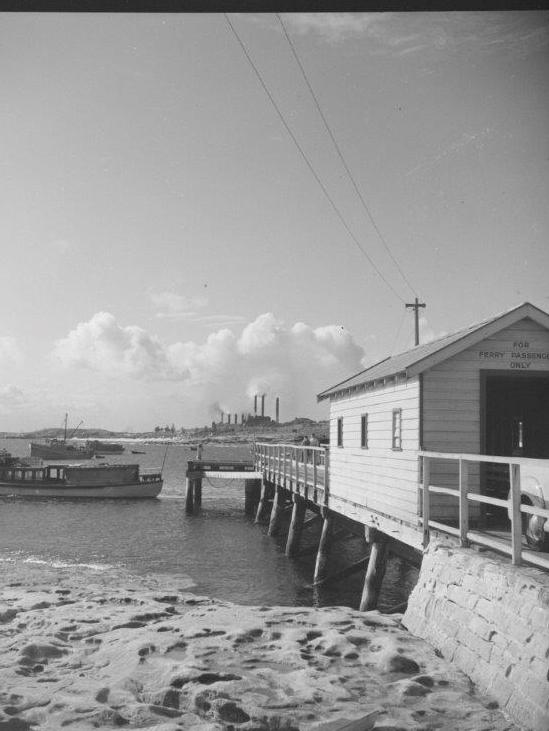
(492, 620)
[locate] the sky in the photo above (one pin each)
(171, 246)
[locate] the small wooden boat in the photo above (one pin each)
(104, 447)
(136, 451)
(77, 480)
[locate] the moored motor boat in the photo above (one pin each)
(55, 449)
(77, 480)
(104, 447)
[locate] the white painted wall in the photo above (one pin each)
(385, 480)
(451, 399)
(380, 478)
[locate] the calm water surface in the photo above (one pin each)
(221, 550)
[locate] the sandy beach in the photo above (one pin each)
(86, 649)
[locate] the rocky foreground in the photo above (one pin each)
(82, 649)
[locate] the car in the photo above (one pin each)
(534, 490)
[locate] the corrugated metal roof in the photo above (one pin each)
(402, 362)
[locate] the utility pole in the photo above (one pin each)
(415, 306)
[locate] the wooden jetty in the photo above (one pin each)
(198, 470)
(449, 439)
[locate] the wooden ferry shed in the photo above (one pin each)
(481, 391)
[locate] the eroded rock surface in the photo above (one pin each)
(88, 650)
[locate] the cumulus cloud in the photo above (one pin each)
(227, 369)
(10, 353)
(101, 344)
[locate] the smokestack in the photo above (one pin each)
(277, 408)
(255, 405)
(222, 415)
(242, 418)
(236, 418)
(263, 404)
(228, 418)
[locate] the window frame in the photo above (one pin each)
(364, 430)
(396, 430)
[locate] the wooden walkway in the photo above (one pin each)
(305, 472)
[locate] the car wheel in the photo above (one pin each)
(532, 528)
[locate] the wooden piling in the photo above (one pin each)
(189, 496)
(197, 493)
(264, 500)
(276, 511)
(376, 569)
(324, 546)
(252, 491)
(296, 525)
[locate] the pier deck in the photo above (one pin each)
(304, 472)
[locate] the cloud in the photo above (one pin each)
(403, 34)
(102, 345)
(336, 27)
(174, 306)
(227, 369)
(10, 353)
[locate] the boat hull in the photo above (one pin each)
(36, 489)
(105, 447)
(59, 452)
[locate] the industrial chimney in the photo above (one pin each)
(277, 409)
(236, 418)
(228, 418)
(263, 404)
(222, 415)
(255, 405)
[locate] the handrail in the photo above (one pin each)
(301, 469)
(465, 496)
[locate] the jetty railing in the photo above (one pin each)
(300, 469)
(516, 509)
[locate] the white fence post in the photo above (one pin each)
(463, 502)
(516, 516)
(426, 478)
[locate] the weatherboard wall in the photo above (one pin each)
(452, 398)
(378, 477)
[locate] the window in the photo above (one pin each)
(364, 431)
(397, 429)
(340, 432)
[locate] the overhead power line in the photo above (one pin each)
(341, 156)
(308, 162)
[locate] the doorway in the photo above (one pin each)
(515, 413)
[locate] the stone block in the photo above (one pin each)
(537, 693)
(540, 645)
(514, 652)
(481, 627)
(539, 618)
(540, 669)
(488, 610)
(448, 647)
(465, 660)
(501, 688)
(479, 647)
(517, 630)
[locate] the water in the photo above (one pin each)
(220, 550)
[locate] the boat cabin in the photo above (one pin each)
(482, 390)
